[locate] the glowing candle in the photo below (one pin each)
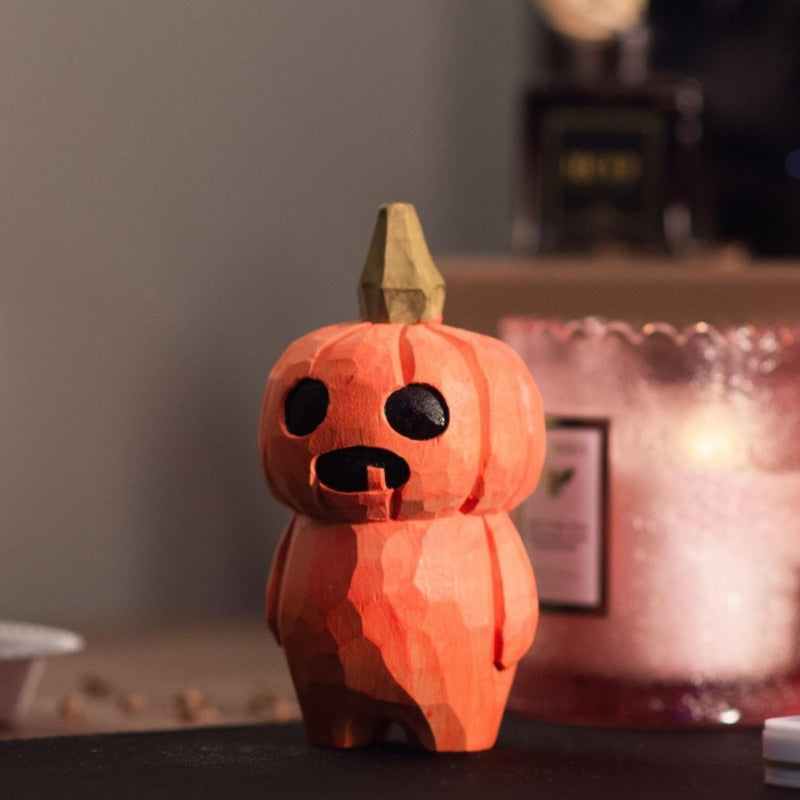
(701, 618)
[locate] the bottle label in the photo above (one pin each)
(604, 172)
(564, 524)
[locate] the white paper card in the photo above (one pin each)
(564, 523)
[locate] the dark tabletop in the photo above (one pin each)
(532, 760)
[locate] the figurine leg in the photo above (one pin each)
(444, 733)
(473, 727)
(437, 730)
(339, 718)
(335, 716)
(437, 733)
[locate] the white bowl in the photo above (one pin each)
(23, 649)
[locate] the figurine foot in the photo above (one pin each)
(436, 731)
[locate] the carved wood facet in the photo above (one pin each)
(401, 590)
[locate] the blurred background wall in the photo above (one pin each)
(185, 187)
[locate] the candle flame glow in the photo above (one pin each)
(711, 436)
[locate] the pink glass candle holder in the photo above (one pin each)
(665, 533)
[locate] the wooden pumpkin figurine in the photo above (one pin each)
(401, 591)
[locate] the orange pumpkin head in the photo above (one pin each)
(399, 416)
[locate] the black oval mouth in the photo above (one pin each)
(345, 470)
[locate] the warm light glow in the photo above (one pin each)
(711, 436)
(730, 716)
(592, 20)
(703, 551)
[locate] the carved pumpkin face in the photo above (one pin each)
(370, 421)
(400, 416)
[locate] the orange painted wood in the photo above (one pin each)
(400, 590)
(416, 622)
(410, 604)
(489, 457)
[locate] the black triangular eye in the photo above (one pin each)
(417, 411)
(306, 406)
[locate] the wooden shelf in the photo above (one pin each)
(719, 289)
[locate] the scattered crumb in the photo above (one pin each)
(193, 706)
(72, 708)
(132, 703)
(189, 699)
(190, 706)
(95, 686)
(273, 708)
(734, 256)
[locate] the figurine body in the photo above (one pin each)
(401, 591)
(387, 622)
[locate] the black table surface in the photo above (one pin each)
(532, 760)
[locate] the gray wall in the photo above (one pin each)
(187, 186)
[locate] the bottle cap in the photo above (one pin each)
(781, 748)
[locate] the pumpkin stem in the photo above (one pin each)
(399, 282)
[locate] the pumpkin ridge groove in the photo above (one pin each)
(347, 331)
(482, 389)
(406, 353)
(498, 601)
